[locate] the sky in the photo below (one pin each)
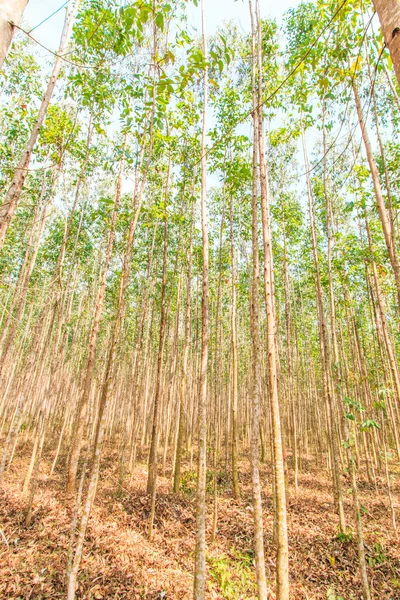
(216, 12)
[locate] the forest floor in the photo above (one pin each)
(119, 562)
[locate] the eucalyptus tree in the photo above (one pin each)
(12, 197)
(134, 322)
(152, 477)
(97, 91)
(350, 34)
(255, 336)
(149, 121)
(200, 550)
(230, 162)
(282, 566)
(389, 16)
(289, 229)
(188, 186)
(11, 12)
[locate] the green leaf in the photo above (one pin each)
(159, 21)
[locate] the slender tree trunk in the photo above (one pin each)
(323, 335)
(292, 404)
(357, 516)
(200, 550)
(236, 491)
(153, 454)
(387, 224)
(389, 195)
(80, 420)
(282, 561)
(183, 404)
(98, 433)
(7, 209)
(255, 340)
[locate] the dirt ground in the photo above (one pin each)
(120, 563)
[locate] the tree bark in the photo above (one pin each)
(325, 355)
(183, 387)
(282, 559)
(234, 457)
(200, 550)
(152, 465)
(387, 225)
(258, 527)
(389, 16)
(11, 12)
(10, 203)
(90, 364)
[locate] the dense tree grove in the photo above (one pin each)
(200, 272)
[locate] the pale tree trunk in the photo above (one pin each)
(183, 404)
(333, 351)
(390, 347)
(141, 350)
(17, 306)
(200, 550)
(77, 436)
(389, 194)
(292, 404)
(262, 590)
(10, 203)
(323, 338)
(218, 377)
(236, 491)
(387, 224)
(153, 454)
(359, 528)
(282, 560)
(11, 12)
(141, 177)
(389, 16)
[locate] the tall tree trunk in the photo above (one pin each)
(10, 203)
(79, 427)
(11, 12)
(200, 550)
(98, 435)
(389, 195)
(218, 378)
(292, 404)
(261, 579)
(323, 336)
(183, 404)
(282, 561)
(387, 224)
(389, 16)
(153, 454)
(236, 491)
